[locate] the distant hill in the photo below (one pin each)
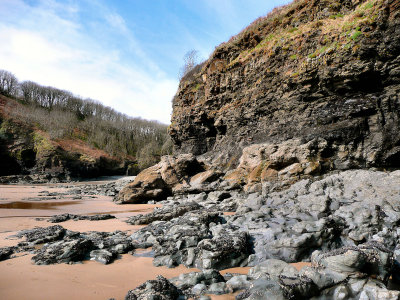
(53, 134)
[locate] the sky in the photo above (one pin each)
(125, 53)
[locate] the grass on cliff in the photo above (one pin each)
(287, 30)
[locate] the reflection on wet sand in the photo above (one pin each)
(36, 205)
(90, 280)
(20, 279)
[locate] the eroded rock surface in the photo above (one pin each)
(157, 182)
(299, 77)
(160, 289)
(65, 246)
(66, 217)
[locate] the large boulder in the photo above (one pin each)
(158, 181)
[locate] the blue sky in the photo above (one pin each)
(124, 53)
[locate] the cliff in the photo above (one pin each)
(312, 87)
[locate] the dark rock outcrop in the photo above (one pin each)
(65, 246)
(160, 289)
(305, 79)
(66, 217)
(163, 214)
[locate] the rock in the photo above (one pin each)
(157, 182)
(102, 256)
(347, 208)
(223, 251)
(199, 289)
(163, 214)
(6, 252)
(202, 178)
(65, 251)
(116, 242)
(273, 268)
(187, 281)
(263, 288)
(160, 289)
(218, 288)
(237, 283)
(375, 290)
(42, 235)
(339, 106)
(344, 260)
(66, 217)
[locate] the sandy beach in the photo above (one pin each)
(24, 207)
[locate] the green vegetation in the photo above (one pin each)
(336, 16)
(41, 143)
(58, 115)
(196, 87)
(285, 29)
(356, 34)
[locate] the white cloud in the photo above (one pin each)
(49, 46)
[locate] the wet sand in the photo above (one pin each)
(20, 279)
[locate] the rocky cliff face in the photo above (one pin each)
(315, 85)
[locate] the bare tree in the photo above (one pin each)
(8, 83)
(190, 60)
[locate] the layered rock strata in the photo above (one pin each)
(320, 75)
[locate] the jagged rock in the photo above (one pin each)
(223, 251)
(163, 214)
(116, 242)
(236, 283)
(348, 208)
(218, 288)
(194, 240)
(178, 242)
(273, 268)
(6, 252)
(160, 289)
(64, 251)
(345, 273)
(157, 181)
(43, 234)
(282, 86)
(187, 281)
(103, 256)
(66, 217)
(371, 258)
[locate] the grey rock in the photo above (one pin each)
(160, 289)
(163, 214)
(66, 217)
(237, 283)
(42, 235)
(102, 256)
(63, 252)
(218, 288)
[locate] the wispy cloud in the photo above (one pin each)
(50, 45)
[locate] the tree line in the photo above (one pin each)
(64, 115)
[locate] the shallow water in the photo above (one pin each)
(36, 205)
